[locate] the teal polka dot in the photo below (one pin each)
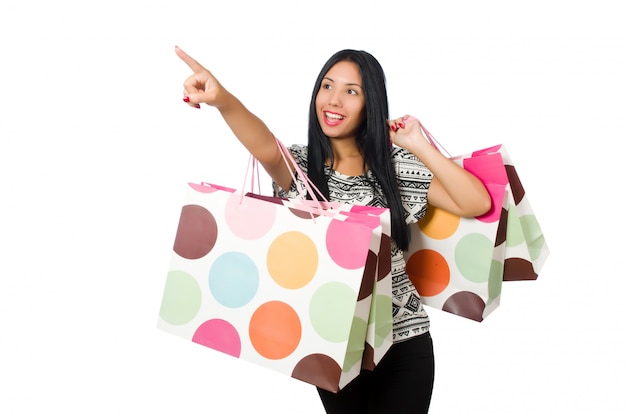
(233, 279)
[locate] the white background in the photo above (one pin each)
(96, 147)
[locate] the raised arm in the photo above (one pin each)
(203, 87)
(453, 188)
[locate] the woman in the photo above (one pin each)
(355, 154)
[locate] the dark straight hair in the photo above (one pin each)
(372, 140)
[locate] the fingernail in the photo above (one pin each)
(393, 128)
(401, 125)
(197, 106)
(186, 99)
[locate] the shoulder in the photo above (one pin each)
(401, 153)
(300, 153)
(298, 149)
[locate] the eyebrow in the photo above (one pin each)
(349, 84)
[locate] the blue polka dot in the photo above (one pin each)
(233, 279)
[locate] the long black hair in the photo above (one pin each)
(372, 138)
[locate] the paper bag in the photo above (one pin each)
(457, 263)
(272, 284)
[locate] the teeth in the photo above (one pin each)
(334, 116)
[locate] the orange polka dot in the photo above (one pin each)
(438, 224)
(292, 260)
(275, 330)
(429, 272)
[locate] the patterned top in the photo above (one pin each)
(414, 178)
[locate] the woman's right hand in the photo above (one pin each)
(201, 86)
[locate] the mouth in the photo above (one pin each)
(332, 118)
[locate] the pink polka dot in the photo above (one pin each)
(348, 243)
(249, 218)
(219, 335)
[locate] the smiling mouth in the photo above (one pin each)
(334, 116)
(331, 118)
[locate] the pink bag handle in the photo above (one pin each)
(431, 139)
(308, 184)
(317, 205)
(253, 164)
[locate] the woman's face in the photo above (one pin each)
(340, 104)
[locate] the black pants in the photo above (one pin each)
(402, 382)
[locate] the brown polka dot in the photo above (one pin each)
(516, 185)
(320, 370)
(516, 268)
(466, 304)
(501, 232)
(197, 232)
(384, 259)
(369, 276)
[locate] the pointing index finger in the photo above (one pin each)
(191, 62)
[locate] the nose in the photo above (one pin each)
(334, 99)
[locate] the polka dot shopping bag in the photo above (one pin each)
(458, 264)
(270, 283)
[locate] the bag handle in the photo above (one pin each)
(308, 184)
(431, 139)
(252, 164)
(318, 205)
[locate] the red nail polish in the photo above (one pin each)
(393, 128)
(186, 99)
(401, 125)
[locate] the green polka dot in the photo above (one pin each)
(495, 280)
(356, 344)
(331, 311)
(533, 235)
(514, 231)
(181, 298)
(381, 306)
(473, 255)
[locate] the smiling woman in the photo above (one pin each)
(357, 155)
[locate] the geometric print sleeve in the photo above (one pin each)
(299, 153)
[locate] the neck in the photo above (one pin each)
(347, 158)
(345, 149)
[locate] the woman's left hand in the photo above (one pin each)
(406, 132)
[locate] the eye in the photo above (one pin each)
(352, 92)
(326, 86)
